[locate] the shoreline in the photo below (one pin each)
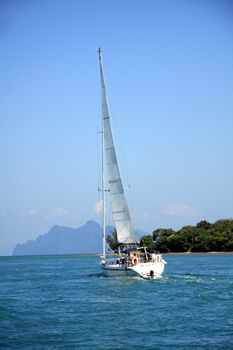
(174, 253)
(109, 255)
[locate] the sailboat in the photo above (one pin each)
(131, 259)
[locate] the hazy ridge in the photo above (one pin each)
(60, 239)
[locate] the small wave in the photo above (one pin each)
(187, 277)
(94, 275)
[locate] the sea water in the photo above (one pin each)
(64, 302)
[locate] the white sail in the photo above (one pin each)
(120, 210)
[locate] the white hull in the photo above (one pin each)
(151, 269)
(145, 270)
(116, 271)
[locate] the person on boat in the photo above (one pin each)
(135, 259)
(153, 257)
(122, 261)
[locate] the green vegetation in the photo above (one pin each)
(204, 237)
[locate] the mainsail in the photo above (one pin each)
(120, 210)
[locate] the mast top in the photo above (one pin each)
(99, 50)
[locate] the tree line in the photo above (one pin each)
(203, 237)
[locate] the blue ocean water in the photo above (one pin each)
(64, 302)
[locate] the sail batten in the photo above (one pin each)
(120, 210)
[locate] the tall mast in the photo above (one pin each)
(103, 194)
(102, 169)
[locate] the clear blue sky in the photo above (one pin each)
(169, 73)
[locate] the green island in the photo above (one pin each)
(204, 237)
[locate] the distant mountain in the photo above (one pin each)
(86, 239)
(83, 240)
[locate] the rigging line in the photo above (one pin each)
(98, 148)
(111, 249)
(98, 159)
